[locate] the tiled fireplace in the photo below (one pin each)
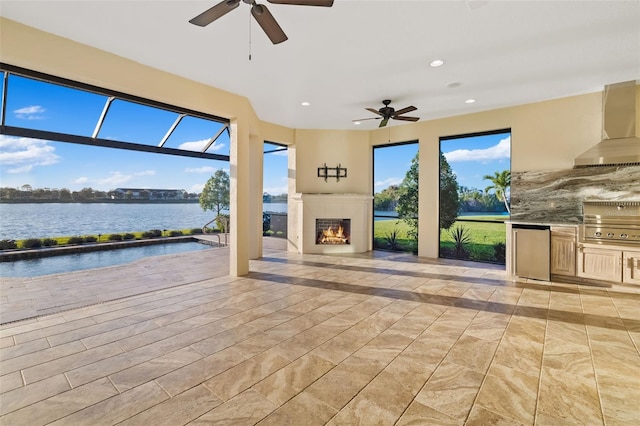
(333, 223)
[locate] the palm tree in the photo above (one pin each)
(501, 181)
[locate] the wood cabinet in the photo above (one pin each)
(631, 267)
(600, 263)
(563, 250)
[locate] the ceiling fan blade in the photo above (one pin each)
(375, 111)
(268, 23)
(405, 110)
(324, 3)
(403, 118)
(384, 122)
(370, 118)
(210, 15)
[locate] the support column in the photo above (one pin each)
(239, 165)
(256, 155)
(293, 239)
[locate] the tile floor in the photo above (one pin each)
(305, 339)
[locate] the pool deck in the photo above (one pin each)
(24, 298)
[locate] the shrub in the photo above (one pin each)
(8, 245)
(175, 233)
(148, 234)
(392, 240)
(223, 222)
(114, 237)
(128, 236)
(195, 231)
(90, 239)
(499, 252)
(156, 233)
(75, 240)
(48, 242)
(462, 238)
(31, 243)
(266, 223)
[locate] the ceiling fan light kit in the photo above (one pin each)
(387, 113)
(260, 13)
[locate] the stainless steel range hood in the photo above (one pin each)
(619, 146)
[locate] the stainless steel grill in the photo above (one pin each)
(612, 221)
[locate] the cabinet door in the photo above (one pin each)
(631, 267)
(600, 264)
(563, 254)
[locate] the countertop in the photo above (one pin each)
(542, 223)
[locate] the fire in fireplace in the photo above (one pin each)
(333, 231)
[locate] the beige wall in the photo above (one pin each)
(545, 135)
(350, 149)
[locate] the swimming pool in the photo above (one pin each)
(93, 259)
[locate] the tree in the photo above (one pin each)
(408, 196)
(387, 199)
(449, 201)
(215, 195)
(500, 183)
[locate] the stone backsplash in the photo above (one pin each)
(556, 196)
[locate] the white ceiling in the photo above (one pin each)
(355, 54)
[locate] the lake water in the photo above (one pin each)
(20, 221)
(94, 259)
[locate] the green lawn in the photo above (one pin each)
(484, 236)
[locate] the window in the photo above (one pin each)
(41, 106)
(475, 176)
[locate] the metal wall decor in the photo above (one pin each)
(332, 172)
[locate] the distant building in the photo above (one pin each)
(148, 194)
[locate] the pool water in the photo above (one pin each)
(90, 260)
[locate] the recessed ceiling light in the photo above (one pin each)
(469, 101)
(305, 103)
(356, 123)
(454, 85)
(436, 63)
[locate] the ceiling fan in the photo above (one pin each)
(260, 13)
(387, 112)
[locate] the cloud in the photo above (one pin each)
(205, 169)
(116, 178)
(81, 180)
(496, 152)
(30, 112)
(199, 145)
(23, 169)
(196, 189)
(389, 181)
(22, 154)
(276, 190)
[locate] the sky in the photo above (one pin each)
(48, 164)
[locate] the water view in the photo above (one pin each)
(20, 221)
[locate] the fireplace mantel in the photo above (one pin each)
(356, 207)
